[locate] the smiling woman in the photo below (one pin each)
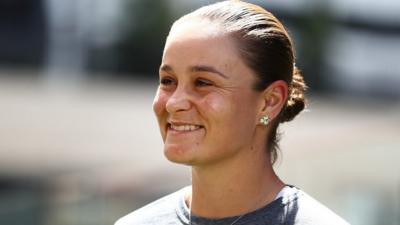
(227, 80)
(204, 84)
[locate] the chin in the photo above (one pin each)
(178, 155)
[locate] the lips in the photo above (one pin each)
(183, 127)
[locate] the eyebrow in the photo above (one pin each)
(197, 68)
(166, 68)
(209, 69)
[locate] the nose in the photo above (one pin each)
(178, 101)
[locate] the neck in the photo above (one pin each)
(233, 187)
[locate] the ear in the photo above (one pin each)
(273, 99)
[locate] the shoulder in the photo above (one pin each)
(308, 211)
(160, 211)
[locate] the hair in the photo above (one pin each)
(266, 47)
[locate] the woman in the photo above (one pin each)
(227, 80)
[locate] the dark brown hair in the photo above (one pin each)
(266, 48)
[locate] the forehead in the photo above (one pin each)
(196, 27)
(200, 42)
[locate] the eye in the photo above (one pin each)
(203, 83)
(167, 81)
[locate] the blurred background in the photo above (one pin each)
(79, 144)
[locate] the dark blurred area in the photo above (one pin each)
(23, 29)
(79, 144)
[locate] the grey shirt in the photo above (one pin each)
(294, 207)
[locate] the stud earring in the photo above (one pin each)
(264, 120)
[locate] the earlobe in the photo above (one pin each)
(274, 98)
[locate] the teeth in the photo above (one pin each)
(185, 127)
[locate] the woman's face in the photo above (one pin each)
(205, 105)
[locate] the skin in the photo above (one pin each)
(205, 85)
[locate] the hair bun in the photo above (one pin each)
(296, 101)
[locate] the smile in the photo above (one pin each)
(184, 127)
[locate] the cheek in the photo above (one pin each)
(213, 104)
(159, 103)
(230, 110)
(218, 107)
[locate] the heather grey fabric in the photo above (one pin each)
(295, 207)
